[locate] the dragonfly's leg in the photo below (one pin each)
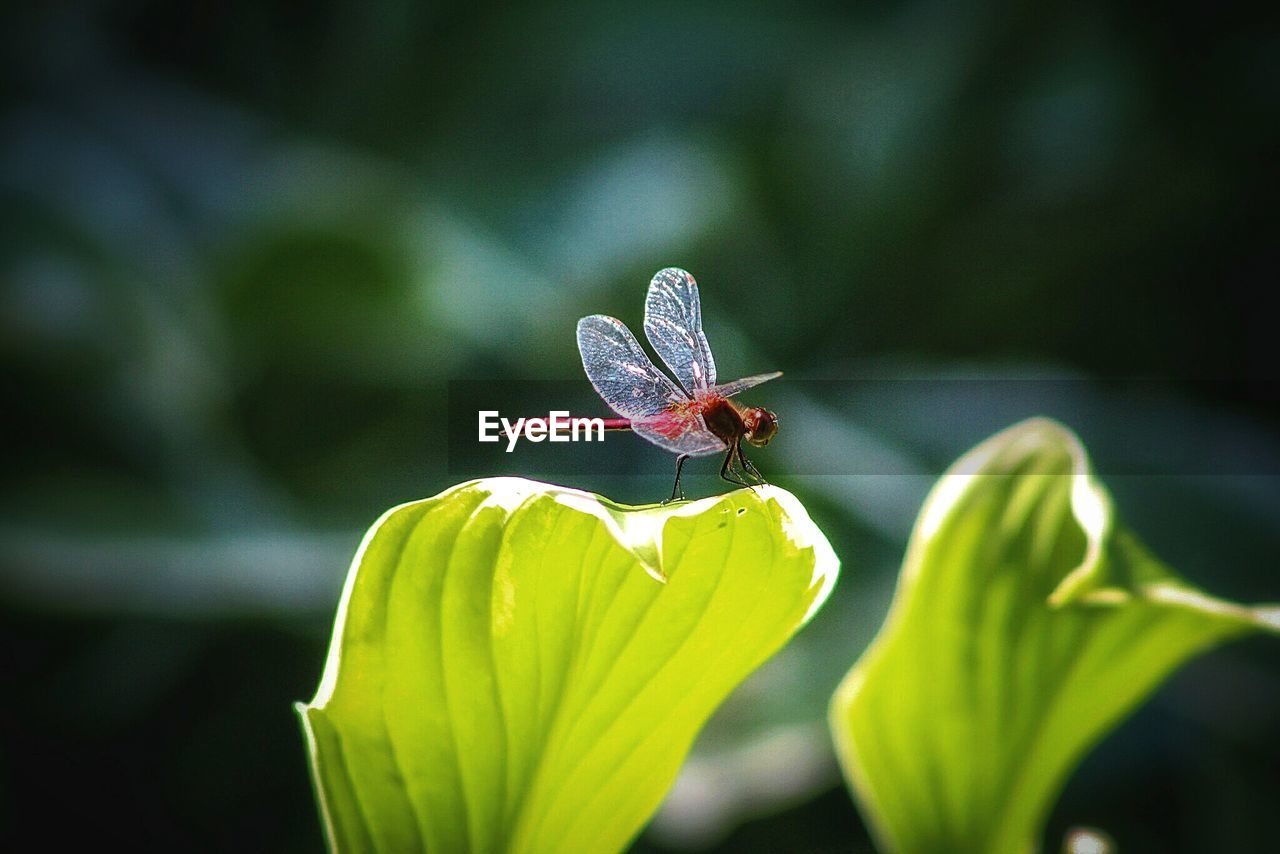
(724, 466)
(749, 480)
(677, 494)
(750, 469)
(727, 469)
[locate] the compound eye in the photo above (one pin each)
(762, 426)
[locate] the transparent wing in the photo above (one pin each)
(673, 325)
(680, 435)
(620, 371)
(730, 389)
(633, 387)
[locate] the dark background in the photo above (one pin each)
(246, 247)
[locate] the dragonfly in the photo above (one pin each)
(692, 416)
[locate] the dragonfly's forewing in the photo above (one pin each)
(633, 387)
(673, 324)
(620, 370)
(730, 389)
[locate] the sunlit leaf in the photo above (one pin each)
(519, 667)
(1028, 621)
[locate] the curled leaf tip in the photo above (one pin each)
(1027, 622)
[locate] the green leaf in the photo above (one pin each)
(1027, 622)
(520, 667)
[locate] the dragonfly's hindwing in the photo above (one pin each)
(673, 325)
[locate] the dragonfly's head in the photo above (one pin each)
(761, 424)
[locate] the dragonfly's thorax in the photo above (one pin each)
(723, 420)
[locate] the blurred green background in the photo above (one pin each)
(247, 246)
